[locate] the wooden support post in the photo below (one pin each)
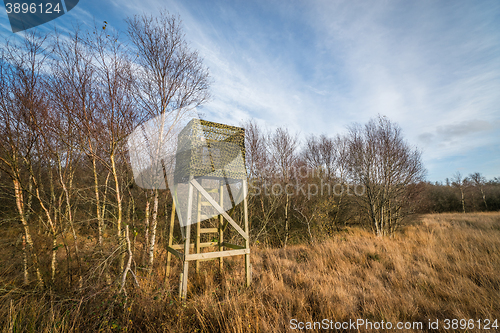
(170, 238)
(203, 134)
(221, 224)
(198, 224)
(185, 269)
(248, 265)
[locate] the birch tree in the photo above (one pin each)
(387, 167)
(171, 78)
(459, 182)
(283, 146)
(479, 181)
(21, 97)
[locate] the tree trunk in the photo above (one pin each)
(51, 222)
(105, 196)
(97, 200)
(25, 262)
(118, 195)
(70, 219)
(146, 232)
(463, 199)
(129, 263)
(154, 221)
(286, 220)
(484, 198)
(27, 235)
(53, 261)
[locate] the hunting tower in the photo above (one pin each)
(209, 181)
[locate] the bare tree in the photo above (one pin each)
(117, 107)
(307, 206)
(329, 155)
(387, 168)
(75, 97)
(341, 145)
(283, 146)
(460, 183)
(312, 153)
(320, 154)
(171, 77)
(21, 98)
(261, 171)
(479, 181)
(255, 150)
(70, 123)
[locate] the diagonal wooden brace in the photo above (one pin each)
(218, 208)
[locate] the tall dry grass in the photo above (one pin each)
(443, 266)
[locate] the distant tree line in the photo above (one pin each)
(473, 193)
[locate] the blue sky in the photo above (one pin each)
(318, 66)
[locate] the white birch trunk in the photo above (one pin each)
(154, 221)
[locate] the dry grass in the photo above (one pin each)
(445, 266)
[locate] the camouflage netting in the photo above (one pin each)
(214, 155)
(208, 149)
(165, 150)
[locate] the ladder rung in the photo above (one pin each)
(217, 254)
(192, 245)
(208, 230)
(204, 217)
(205, 203)
(208, 244)
(208, 259)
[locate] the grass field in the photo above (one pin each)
(443, 266)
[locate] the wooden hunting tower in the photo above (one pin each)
(209, 180)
